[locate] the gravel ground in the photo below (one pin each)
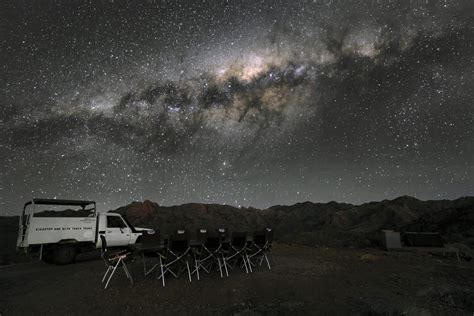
(303, 280)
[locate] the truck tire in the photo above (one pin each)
(64, 254)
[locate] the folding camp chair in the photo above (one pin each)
(223, 234)
(259, 246)
(207, 251)
(112, 261)
(152, 247)
(177, 252)
(237, 250)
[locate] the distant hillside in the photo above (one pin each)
(192, 216)
(329, 224)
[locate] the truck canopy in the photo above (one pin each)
(56, 202)
(59, 202)
(39, 226)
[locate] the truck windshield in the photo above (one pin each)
(130, 225)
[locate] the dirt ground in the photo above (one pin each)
(303, 280)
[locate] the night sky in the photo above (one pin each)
(239, 102)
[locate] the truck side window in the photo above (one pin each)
(115, 222)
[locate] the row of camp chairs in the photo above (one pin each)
(219, 249)
(177, 254)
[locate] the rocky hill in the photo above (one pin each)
(328, 224)
(193, 216)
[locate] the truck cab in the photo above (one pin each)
(59, 235)
(117, 231)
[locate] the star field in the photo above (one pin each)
(236, 102)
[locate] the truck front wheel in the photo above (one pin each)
(64, 254)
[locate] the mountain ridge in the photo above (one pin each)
(330, 224)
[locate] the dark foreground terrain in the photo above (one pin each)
(303, 280)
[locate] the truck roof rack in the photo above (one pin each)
(58, 202)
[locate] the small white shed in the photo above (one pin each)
(392, 239)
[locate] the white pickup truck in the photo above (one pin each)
(60, 236)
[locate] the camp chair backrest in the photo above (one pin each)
(104, 244)
(213, 241)
(179, 241)
(269, 234)
(104, 252)
(151, 239)
(223, 233)
(201, 235)
(238, 239)
(260, 238)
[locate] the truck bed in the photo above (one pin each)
(45, 230)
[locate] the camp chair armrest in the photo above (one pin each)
(121, 255)
(118, 252)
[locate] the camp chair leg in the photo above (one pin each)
(245, 265)
(110, 277)
(105, 262)
(125, 270)
(205, 269)
(251, 263)
(129, 276)
(170, 271)
(162, 272)
(248, 262)
(144, 264)
(197, 264)
(225, 267)
(151, 270)
(174, 274)
(189, 271)
(106, 272)
(114, 268)
(220, 267)
(268, 262)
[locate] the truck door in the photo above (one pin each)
(117, 233)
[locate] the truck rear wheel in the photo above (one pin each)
(64, 254)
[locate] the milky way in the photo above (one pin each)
(238, 102)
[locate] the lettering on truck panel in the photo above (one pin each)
(61, 228)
